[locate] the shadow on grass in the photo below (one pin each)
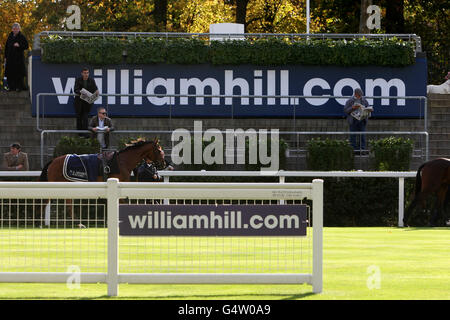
(215, 296)
(424, 228)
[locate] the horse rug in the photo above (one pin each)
(81, 168)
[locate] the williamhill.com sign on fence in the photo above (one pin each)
(257, 85)
(213, 220)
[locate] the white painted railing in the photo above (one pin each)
(113, 190)
(400, 175)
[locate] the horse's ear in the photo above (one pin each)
(156, 141)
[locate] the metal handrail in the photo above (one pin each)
(231, 96)
(167, 35)
(424, 133)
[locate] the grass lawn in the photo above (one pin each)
(359, 263)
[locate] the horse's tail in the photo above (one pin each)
(418, 186)
(44, 173)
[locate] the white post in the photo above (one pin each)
(307, 17)
(282, 180)
(166, 179)
(112, 277)
(401, 200)
(317, 195)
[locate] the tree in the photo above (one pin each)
(160, 15)
(363, 16)
(395, 19)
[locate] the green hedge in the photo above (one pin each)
(392, 154)
(362, 201)
(76, 145)
(99, 51)
(268, 52)
(328, 154)
(282, 147)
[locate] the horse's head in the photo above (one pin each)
(156, 154)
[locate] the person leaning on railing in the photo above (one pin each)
(15, 159)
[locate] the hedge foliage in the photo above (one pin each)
(268, 52)
(392, 154)
(282, 147)
(362, 201)
(77, 145)
(328, 154)
(387, 154)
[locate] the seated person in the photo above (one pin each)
(101, 126)
(15, 159)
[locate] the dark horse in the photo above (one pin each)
(127, 159)
(433, 177)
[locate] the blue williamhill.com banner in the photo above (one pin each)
(245, 80)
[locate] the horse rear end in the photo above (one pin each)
(433, 177)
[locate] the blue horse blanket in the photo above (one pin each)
(82, 167)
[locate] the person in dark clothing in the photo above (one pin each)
(83, 108)
(358, 142)
(147, 171)
(15, 70)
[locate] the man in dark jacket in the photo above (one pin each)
(101, 126)
(15, 70)
(82, 108)
(147, 171)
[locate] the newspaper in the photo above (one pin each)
(362, 112)
(87, 96)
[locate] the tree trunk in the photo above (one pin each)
(363, 16)
(395, 21)
(160, 14)
(241, 13)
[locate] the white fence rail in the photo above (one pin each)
(400, 175)
(18, 234)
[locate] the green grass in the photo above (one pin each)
(414, 263)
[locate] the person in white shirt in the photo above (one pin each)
(100, 126)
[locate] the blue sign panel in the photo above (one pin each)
(243, 80)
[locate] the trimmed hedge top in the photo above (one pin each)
(267, 52)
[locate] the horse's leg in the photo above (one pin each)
(42, 209)
(446, 207)
(409, 210)
(437, 212)
(419, 199)
(70, 208)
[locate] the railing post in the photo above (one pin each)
(166, 179)
(112, 278)
(317, 221)
(401, 200)
(281, 180)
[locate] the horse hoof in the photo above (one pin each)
(81, 226)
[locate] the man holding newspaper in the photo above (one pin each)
(357, 111)
(86, 93)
